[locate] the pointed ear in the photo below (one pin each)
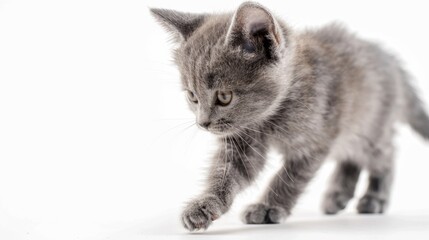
(182, 25)
(255, 30)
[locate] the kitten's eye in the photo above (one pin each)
(224, 97)
(192, 97)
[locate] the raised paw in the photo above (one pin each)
(371, 204)
(335, 202)
(200, 213)
(263, 214)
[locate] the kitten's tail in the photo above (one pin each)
(415, 113)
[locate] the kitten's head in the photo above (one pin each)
(230, 64)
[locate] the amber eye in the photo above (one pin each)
(192, 97)
(224, 97)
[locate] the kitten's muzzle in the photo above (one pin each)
(205, 125)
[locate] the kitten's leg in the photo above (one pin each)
(284, 190)
(342, 187)
(235, 165)
(376, 198)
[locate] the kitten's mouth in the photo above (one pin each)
(219, 130)
(222, 129)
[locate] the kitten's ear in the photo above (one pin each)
(255, 30)
(182, 25)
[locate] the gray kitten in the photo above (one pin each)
(257, 84)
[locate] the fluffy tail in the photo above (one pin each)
(414, 110)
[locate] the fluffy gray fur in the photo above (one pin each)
(311, 95)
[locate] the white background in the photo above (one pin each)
(96, 140)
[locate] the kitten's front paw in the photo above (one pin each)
(263, 214)
(370, 204)
(335, 202)
(200, 213)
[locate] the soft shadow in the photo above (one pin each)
(337, 224)
(342, 226)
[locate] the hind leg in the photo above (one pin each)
(342, 187)
(376, 198)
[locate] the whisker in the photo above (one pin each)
(226, 160)
(236, 145)
(284, 168)
(264, 157)
(172, 128)
(173, 119)
(189, 142)
(251, 164)
(305, 105)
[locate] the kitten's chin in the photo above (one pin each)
(222, 134)
(223, 131)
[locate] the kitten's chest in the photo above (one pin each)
(291, 143)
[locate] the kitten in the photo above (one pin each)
(256, 83)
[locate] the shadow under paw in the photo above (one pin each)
(263, 214)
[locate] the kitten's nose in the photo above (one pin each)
(205, 124)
